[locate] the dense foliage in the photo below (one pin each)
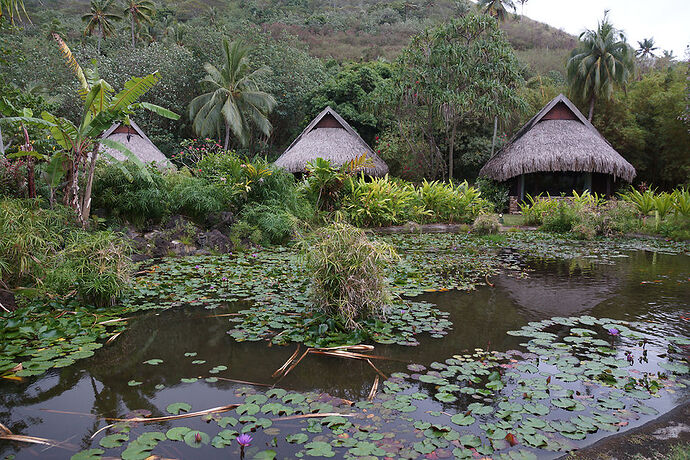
(46, 255)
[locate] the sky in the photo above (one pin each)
(667, 21)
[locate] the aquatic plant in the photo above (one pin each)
(347, 273)
(486, 224)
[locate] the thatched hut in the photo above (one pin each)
(332, 138)
(556, 152)
(137, 142)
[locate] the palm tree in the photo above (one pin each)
(497, 8)
(602, 60)
(12, 7)
(235, 100)
(138, 11)
(100, 20)
(646, 48)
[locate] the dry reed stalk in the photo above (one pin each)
(6, 434)
(287, 363)
(112, 338)
(296, 417)
(374, 389)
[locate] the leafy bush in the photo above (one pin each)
(194, 197)
(387, 201)
(347, 273)
(497, 193)
(97, 265)
(12, 178)
(643, 201)
(135, 199)
(47, 254)
(486, 224)
(276, 224)
(584, 231)
(536, 209)
(560, 221)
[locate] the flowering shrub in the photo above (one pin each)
(192, 151)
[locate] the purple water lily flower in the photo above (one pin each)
(614, 331)
(244, 440)
(197, 266)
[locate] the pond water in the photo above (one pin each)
(648, 288)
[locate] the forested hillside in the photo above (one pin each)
(343, 30)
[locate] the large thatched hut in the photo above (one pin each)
(556, 152)
(332, 138)
(137, 142)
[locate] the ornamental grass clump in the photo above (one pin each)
(348, 274)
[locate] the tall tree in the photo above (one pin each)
(460, 72)
(602, 60)
(646, 48)
(234, 101)
(138, 11)
(100, 20)
(497, 8)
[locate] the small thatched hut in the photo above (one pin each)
(332, 138)
(137, 142)
(556, 152)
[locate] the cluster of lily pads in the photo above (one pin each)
(573, 380)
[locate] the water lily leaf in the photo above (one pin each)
(177, 433)
(114, 440)
(153, 362)
(462, 419)
(91, 454)
(297, 438)
(176, 408)
(319, 449)
(196, 439)
(134, 383)
(470, 440)
(269, 454)
(676, 368)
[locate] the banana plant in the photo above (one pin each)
(80, 142)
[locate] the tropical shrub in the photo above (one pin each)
(96, 265)
(194, 197)
(193, 151)
(380, 202)
(643, 201)
(681, 201)
(562, 220)
(486, 224)
(496, 193)
(12, 178)
(450, 203)
(584, 231)
(348, 274)
(132, 198)
(535, 209)
(277, 225)
(45, 253)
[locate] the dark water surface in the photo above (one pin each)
(644, 287)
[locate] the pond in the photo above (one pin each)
(552, 352)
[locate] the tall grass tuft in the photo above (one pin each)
(347, 273)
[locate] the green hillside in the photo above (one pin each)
(339, 29)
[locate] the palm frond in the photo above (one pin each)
(71, 61)
(134, 89)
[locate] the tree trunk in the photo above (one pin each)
(591, 108)
(2, 144)
(132, 26)
(98, 48)
(451, 152)
(86, 202)
(30, 179)
(493, 143)
(227, 135)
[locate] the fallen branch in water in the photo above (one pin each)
(296, 417)
(6, 433)
(112, 338)
(487, 280)
(346, 351)
(244, 382)
(213, 410)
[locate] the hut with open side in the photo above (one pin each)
(137, 142)
(556, 152)
(332, 138)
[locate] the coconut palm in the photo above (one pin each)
(234, 100)
(138, 11)
(497, 8)
(646, 48)
(100, 20)
(602, 60)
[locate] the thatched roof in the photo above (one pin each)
(332, 138)
(137, 142)
(548, 143)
